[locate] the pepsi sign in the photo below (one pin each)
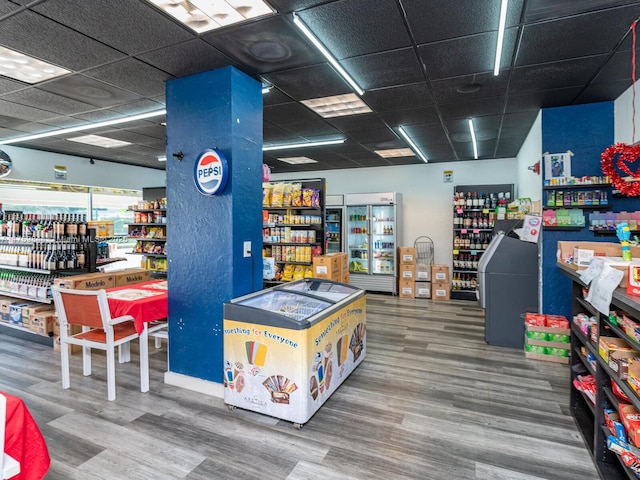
(211, 172)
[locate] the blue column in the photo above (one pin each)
(587, 130)
(220, 109)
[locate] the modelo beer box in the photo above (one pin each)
(91, 281)
(130, 276)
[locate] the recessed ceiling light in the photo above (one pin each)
(337, 106)
(297, 160)
(204, 15)
(162, 158)
(469, 88)
(27, 69)
(98, 141)
(396, 152)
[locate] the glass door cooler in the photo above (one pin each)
(383, 240)
(288, 348)
(333, 229)
(358, 238)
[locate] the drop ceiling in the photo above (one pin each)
(424, 65)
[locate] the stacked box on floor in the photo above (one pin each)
(407, 272)
(440, 282)
(547, 337)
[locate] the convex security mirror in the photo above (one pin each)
(5, 164)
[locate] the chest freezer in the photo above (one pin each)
(288, 348)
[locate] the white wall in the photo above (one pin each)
(427, 202)
(37, 166)
(623, 114)
(529, 184)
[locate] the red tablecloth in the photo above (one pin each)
(24, 442)
(143, 303)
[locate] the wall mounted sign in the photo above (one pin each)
(447, 176)
(5, 164)
(211, 172)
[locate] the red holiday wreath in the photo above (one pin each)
(618, 159)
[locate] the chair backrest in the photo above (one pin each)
(81, 307)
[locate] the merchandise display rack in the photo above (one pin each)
(589, 417)
(298, 253)
(466, 258)
(149, 230)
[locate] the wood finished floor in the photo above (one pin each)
(431, 401)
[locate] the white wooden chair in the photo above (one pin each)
(9, 466)
(90, 309)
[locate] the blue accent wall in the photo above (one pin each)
(218, 109)
(587, 130)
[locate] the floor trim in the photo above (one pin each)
(196, 384)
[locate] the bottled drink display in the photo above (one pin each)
(474, 211)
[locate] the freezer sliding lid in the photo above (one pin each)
(294, 307)
(325, 289)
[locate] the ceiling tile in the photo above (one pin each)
(472, 108)
(542, 99)
(353, 123)
(398, 98)
(268, 45)
(538, 10)
(54, 43)
(410, 116)
(457, 89)
(296, 83)
(345, 28)
(132, 27)
(51, 102)
(182, 59)
(132, 75)
(473, 54)
(89, 90)
(567, 73)
(386, 69)
(579, 36)
(443, 19)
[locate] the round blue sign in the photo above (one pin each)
(211, 172)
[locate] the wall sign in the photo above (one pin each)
(211, 172)
(447, 176)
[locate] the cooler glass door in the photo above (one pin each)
(334, 230)
(383, 234)
(358, 239)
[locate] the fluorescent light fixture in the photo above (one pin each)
(98, 141)
(81, 128)
(395, 153)
(204, 15)
(266, 89)
(297, 160)
(473, 139)
(413, 146)
(27, 69)
(162, 158)
(321, 48)
(337, 106)
(501, 26)
(268, 148)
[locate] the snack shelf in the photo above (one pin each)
(577, 185)
(581, 207)
(146, 239)
(148, 224)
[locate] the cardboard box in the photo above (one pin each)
(440, 291)
(546, 358)
(619, 362)
(72, 348)
(130, 276)
(15, 313)
(630, 418)
(423, 272)
(406, 289)
(567, 250)
(548, 337)
(343, 262)
(407, 273)
(607, 345)
(5, 307)
(407, 255)
(90, 281)
(440, 274)
(423, 289)
(633, 374)
(42, 322)
(326, 266)
(345, 277)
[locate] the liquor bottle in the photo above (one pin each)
(469, 202)
(474, 220)
(72, 257)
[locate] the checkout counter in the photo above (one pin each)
(507, 287)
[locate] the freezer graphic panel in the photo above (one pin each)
(288, 373)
